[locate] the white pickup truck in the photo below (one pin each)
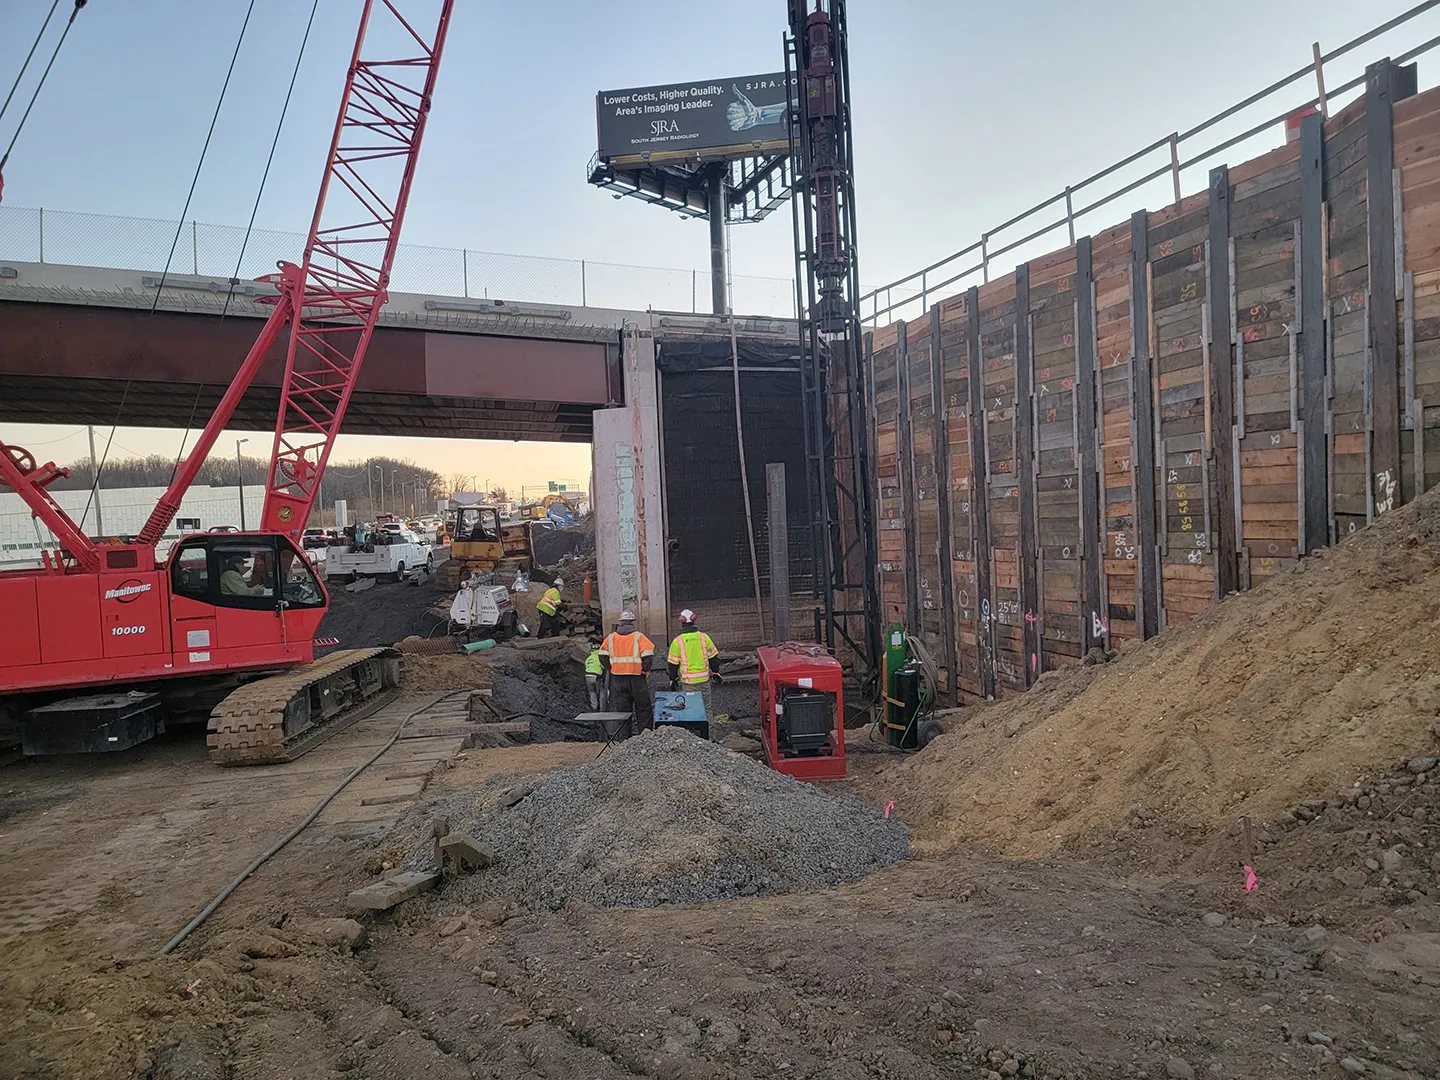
(384, 554)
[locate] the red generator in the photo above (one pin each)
(801, 711)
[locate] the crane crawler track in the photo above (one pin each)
(276, 719)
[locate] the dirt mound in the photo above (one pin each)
(545, 685)
(552, 545)
(456, 671)
(663, 818)
(384, 614)
(1365, 859)
(1323, 677)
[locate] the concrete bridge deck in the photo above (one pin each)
(77, 341)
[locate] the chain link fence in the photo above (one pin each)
(29, 234)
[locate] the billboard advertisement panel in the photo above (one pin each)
(720, 118)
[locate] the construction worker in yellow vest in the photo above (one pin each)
(548, 606)
(594, 676)
(627, 656)
(694, 662)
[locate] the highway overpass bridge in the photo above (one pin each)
(80, 345)
(652, 392)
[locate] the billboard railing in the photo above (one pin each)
(1030, 233)
(35, 234)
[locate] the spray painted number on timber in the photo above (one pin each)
(1384, 492)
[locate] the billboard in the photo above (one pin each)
(722, 118)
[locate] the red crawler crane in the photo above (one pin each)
(211, 626)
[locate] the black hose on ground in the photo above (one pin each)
(260, 860)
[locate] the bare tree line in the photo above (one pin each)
(368, 486)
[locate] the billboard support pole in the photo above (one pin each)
(717, 183)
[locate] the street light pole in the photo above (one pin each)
(95, 480)
(240, 480)
(374, 509)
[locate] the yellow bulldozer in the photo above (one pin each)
(482, 542)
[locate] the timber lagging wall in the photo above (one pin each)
(1118, 434)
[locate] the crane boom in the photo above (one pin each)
(333, 299)
(347, 260)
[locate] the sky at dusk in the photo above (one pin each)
(965, 113)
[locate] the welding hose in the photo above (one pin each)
(274, 849)
(932, 676)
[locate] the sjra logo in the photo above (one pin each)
(127, 591)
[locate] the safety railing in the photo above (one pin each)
(32, 234)
(1032, 229)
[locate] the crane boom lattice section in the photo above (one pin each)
(337, 294)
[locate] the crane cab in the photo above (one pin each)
(241, 600)
(220, 602)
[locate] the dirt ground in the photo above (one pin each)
(1076, 906)
(384, 614)
(1056, 967)
(1319, 680)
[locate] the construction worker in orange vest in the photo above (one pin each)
(627, 656)
(693, 660)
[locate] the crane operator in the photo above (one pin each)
(234, 583)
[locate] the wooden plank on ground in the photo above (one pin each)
(386, 894)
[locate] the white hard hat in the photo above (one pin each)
(627, 616)
(687, 615)
(559, 584)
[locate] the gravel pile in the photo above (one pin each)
(662, 818)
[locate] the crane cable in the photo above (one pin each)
(28, 57)
(180, 225)
(45, 75)
(249, 228)
(778, 634)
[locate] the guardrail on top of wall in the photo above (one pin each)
(954, 272)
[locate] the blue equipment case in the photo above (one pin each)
(682, 709)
